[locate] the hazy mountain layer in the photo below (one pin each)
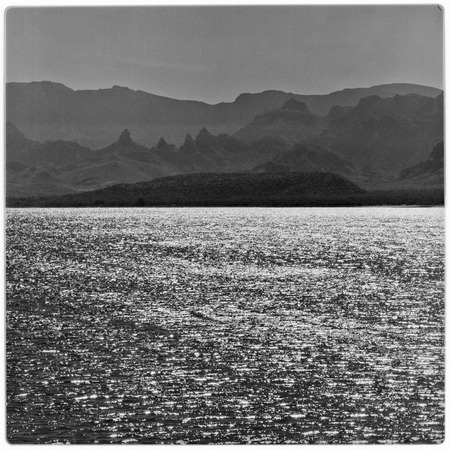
(386, 134)
(51, 111)
(293, 122)
(377, 135)
(48, 169)
(370, 144)
(62, 167)
(21, 149)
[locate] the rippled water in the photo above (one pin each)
(225, 325)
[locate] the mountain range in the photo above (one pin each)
(379, 142)
(51, 111)
(376, 134)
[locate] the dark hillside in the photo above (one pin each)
(239, 189)
(210, 189)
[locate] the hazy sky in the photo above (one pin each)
(215, 53)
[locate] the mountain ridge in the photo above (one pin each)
(369, 143)
(52, 111)
(432, 90)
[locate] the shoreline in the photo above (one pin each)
(223, 206)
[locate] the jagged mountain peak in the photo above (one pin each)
(203, 132)
(162, 144)
(188, 140)
(125, 137)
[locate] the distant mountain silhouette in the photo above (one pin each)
(321, 104)
(386, 134)
(370, 143)
(164, 146)
(125, 161)
(75, 168)
(377, 135)
(24, 150)
(41, 168)
(63, 167)
(47, 111)
(293, 122)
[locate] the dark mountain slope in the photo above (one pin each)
(208, 153)
(223, 153)
(33, 168)
(23, 180)
(21, 149)
(429, 172)
(287, 189)
(213, 189)
(386, 134)
(51, 111)
(379, 135)
(304, 158)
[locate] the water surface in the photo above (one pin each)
(225, 325)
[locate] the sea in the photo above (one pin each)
(225, 325)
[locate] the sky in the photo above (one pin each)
(215, 53)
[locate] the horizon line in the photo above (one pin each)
(218, 103)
